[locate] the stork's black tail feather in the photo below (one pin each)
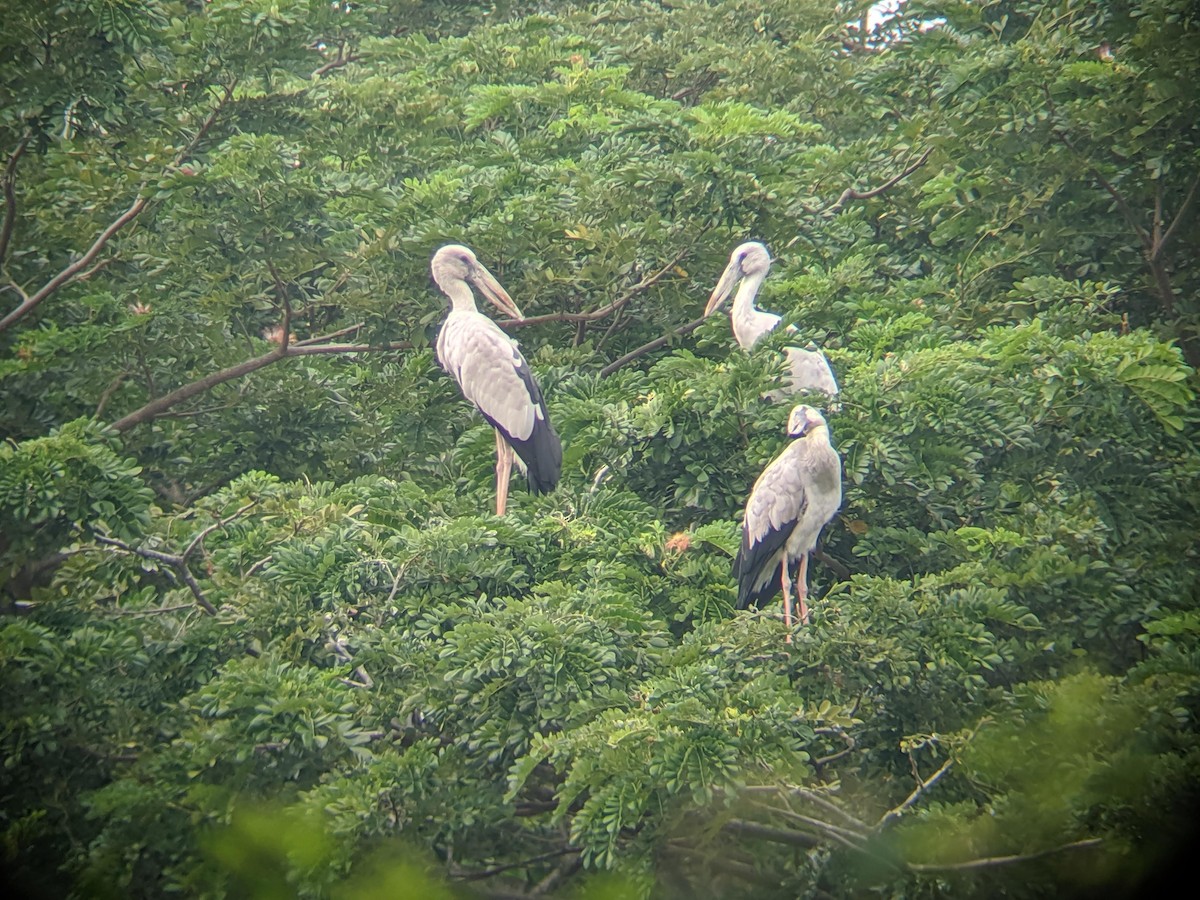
(748, 567)
(541, 452)
(542, 455)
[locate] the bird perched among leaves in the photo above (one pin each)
(808, 369)
(492, 373)
(795, 496)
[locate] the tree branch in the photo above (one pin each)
(768, 833)
(652, 345)
(845, 836)
(72, 272)
(893, 814)
(520, 864)
(160, 405)
(1118, 197)
(342, 59)
(613, 307)
(1184, 209)
(10, 196)
(991, 861)
(177, 564)
(220, 523)
(156, 407)
(852, 194)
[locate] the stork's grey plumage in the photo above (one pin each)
(792, 500)
(808, 369)
(492, 373)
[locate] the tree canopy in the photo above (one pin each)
(261, 635)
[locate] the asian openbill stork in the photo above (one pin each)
(492, 373)
(792, 500)
(749, 264)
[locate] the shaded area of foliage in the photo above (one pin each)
(262, 637)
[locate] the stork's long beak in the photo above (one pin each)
(495, 293)
(724, 288)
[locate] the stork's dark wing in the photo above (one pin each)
(542, 450)
(776, 506)
(495, 377)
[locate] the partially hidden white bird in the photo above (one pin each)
(796, 495)
(492, 373)
(808, 369)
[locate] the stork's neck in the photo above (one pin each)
(748, 323)
(462, 298)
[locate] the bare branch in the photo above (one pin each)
(768, 833)
(300, 349)
(520, 864)
(1118, 197)
(1184, 209)
(342, 59)
(156, 611)
(160, 405)
(617, 304)
(108, 392)
(991, 861)
(852, 839)
(847, 739)
(809, 796)
(157, 407)
(10, 196)
(652, 345)
(557, 876)
(893, 814)
(321, 339)
(220, 523)
(72, 272)
(852, 194)
(177, 563)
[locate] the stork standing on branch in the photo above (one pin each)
(492, 373)
(792, 500)
(808, 370)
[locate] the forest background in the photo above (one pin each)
(261, 635)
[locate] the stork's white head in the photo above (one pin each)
(454, 266)
(746, 260)
(804, 420)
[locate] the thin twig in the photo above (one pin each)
(852, 839)
(177, 564)
(10, 195)
(809, 796)
(220, 523)
(629, 357)
(497, 870)
(72, 272)
(108, 392)
(342, 59)
(990, 861)
(892, 814)
(852, 194)
(1184, 209)
(768, 833)
(613, 307)
(849, 741)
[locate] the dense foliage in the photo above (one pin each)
(261, 635)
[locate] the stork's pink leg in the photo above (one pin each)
(785, 583)
(802, 589)
(504, 460)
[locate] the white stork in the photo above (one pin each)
(749, 263)
(492, 373)
(792, 500)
